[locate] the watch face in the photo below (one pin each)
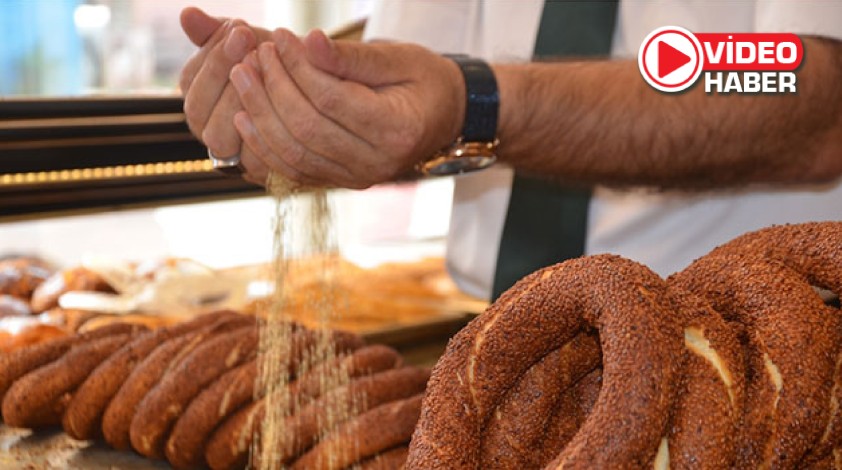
(455, 166)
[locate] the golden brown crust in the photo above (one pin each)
(18, 363)
(708, 411)
(46, 295)
(810, 249)
(376, 430)
(228, 446)
(11, 306)
(786, 403)
(511, 436)
(117, 418)
(185, 446)
(159, 409)
(19, 277)
(72, 320)
(35, 400)
(392, 459)
(832, 435)
(83, 417)
(629, 306)
(366, 360)
(28, 336)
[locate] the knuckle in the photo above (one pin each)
(295, 155)
(304, 129)
(327, 101)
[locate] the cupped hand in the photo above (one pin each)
(347, 114)
(210, 101)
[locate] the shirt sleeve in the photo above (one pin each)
(435, 24)
(805, 17)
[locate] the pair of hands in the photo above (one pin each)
(320, 112)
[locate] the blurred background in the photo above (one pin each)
(82, 47)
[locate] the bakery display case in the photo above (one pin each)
(95, 153)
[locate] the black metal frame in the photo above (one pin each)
(42, 135)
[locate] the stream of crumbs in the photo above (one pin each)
(303, 226)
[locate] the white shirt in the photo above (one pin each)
(664, 230)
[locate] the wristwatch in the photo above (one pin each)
(476, 147)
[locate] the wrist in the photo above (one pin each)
(459, 100)
(508, 117)
(473, 126)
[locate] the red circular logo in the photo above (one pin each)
(670, 59)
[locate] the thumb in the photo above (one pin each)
(198, 25)
(372, 64)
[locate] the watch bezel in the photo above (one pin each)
(461, 157)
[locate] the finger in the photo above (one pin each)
(197, 60)
(256, 171)
(348, 103)
(198, 25)
(219, 133)
(366, 63)
(212, 78)
(408, 105)
(280, 142)
(258, 148)
(313, 130)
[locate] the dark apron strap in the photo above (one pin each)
(547, 223)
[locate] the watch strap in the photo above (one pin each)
(482, 99)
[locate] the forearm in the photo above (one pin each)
(599, 122)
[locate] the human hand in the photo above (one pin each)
(344, 113)
(210, 101)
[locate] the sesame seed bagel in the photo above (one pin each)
(118, 415)
(763, 280)
(642, 350)
(83, 417)
(518, 426)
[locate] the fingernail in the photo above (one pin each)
(236, 46)
(240, 78)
